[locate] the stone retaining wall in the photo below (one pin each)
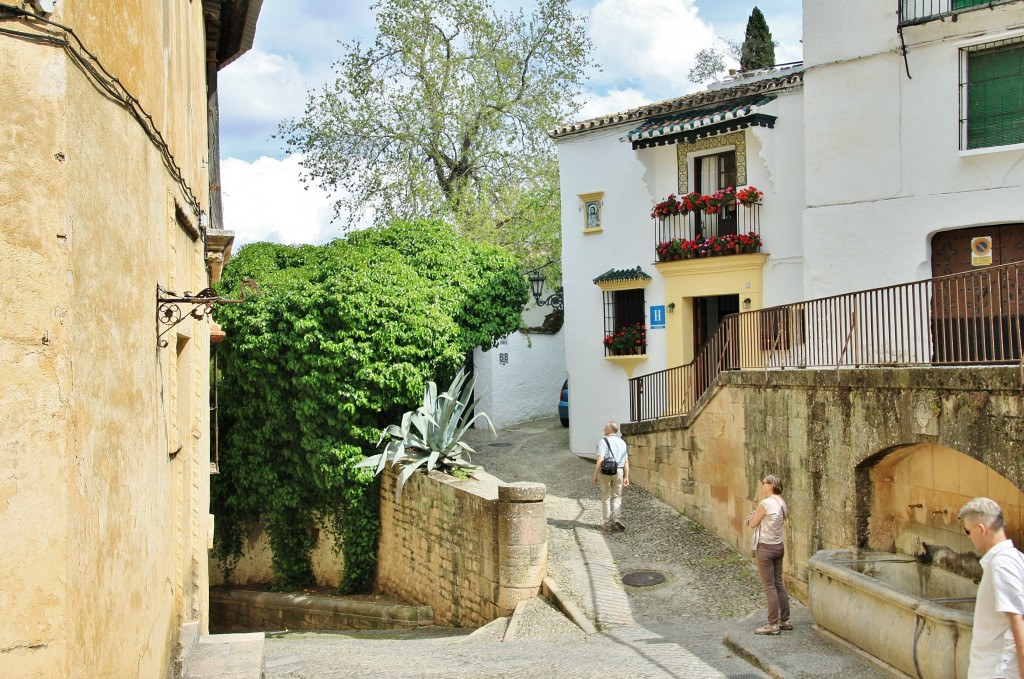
(233, 610)
(821, 431)
(471, 549)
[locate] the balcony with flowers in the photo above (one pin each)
(694, 225)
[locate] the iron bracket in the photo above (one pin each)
(169, 313)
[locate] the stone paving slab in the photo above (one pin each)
(800, 654)
(227, 656)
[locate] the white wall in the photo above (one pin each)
(883, 164)
(598, 161)
(525, 387)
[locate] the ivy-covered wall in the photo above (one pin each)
(340, 342)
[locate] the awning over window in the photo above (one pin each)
(617, 275)
(691, 125)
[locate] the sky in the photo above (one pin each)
(645, 48)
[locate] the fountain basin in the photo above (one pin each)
(913, 617)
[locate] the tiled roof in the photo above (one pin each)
(787, 78)
(610, 275)
(692, 119)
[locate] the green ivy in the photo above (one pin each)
(340, 342)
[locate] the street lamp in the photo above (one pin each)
(554, 301)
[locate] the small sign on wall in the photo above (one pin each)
(981, 251)
(658, 317)
(503, 358)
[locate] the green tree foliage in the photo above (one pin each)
(707, 64)
(758, 49)
(445, 116)
(339, 344)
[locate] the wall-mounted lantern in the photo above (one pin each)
(554, 301)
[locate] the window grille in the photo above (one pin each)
(992, 94)
(624, 309)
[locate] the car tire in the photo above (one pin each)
(565, 421)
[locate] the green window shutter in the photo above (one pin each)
(963, 4)
(995, 96)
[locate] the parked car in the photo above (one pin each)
(563, 404)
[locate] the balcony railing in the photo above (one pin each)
(919, 11)
(688, 231)
(964, 319)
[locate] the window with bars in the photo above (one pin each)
(992, 94)
(624, 329)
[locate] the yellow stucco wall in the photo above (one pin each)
(687, 279)
(105, 529)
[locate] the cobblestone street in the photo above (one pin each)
(674, 629)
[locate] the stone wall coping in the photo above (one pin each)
(480, 483)
(522, 491)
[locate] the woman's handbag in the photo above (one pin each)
(755, 537)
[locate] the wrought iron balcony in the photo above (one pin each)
(921, 11)
(733, 229)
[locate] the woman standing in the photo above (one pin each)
(767, 521)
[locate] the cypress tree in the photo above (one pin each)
(758, 50)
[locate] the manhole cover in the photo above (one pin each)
(643, 578)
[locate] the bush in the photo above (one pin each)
(341, 342)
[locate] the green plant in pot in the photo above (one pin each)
(430, 437)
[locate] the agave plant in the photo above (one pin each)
(430, 437)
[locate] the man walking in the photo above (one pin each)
(612, 448)
(997, 647)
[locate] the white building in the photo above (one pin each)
(747, 134)
(910, 155)
(879, 165)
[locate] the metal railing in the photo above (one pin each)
(964, 319)
(920, 11)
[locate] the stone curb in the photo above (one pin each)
(750, 656)
(513, 623)
(552, 591)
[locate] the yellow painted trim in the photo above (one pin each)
(708, 265)
(585, 199)
(633, 284)
(722, 141)
(687, 279)
(587, 232)
(627, 363)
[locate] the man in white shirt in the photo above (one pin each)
(997, 647)
(611, 484)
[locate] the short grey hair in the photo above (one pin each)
(613, 425)
(983, 510)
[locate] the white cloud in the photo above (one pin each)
(265, 200)
(262, 89)
(613, 101)
(648, 46)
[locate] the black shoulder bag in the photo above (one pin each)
(608, 465)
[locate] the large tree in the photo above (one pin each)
(445, 116)
(758, 49)
(339, 344)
